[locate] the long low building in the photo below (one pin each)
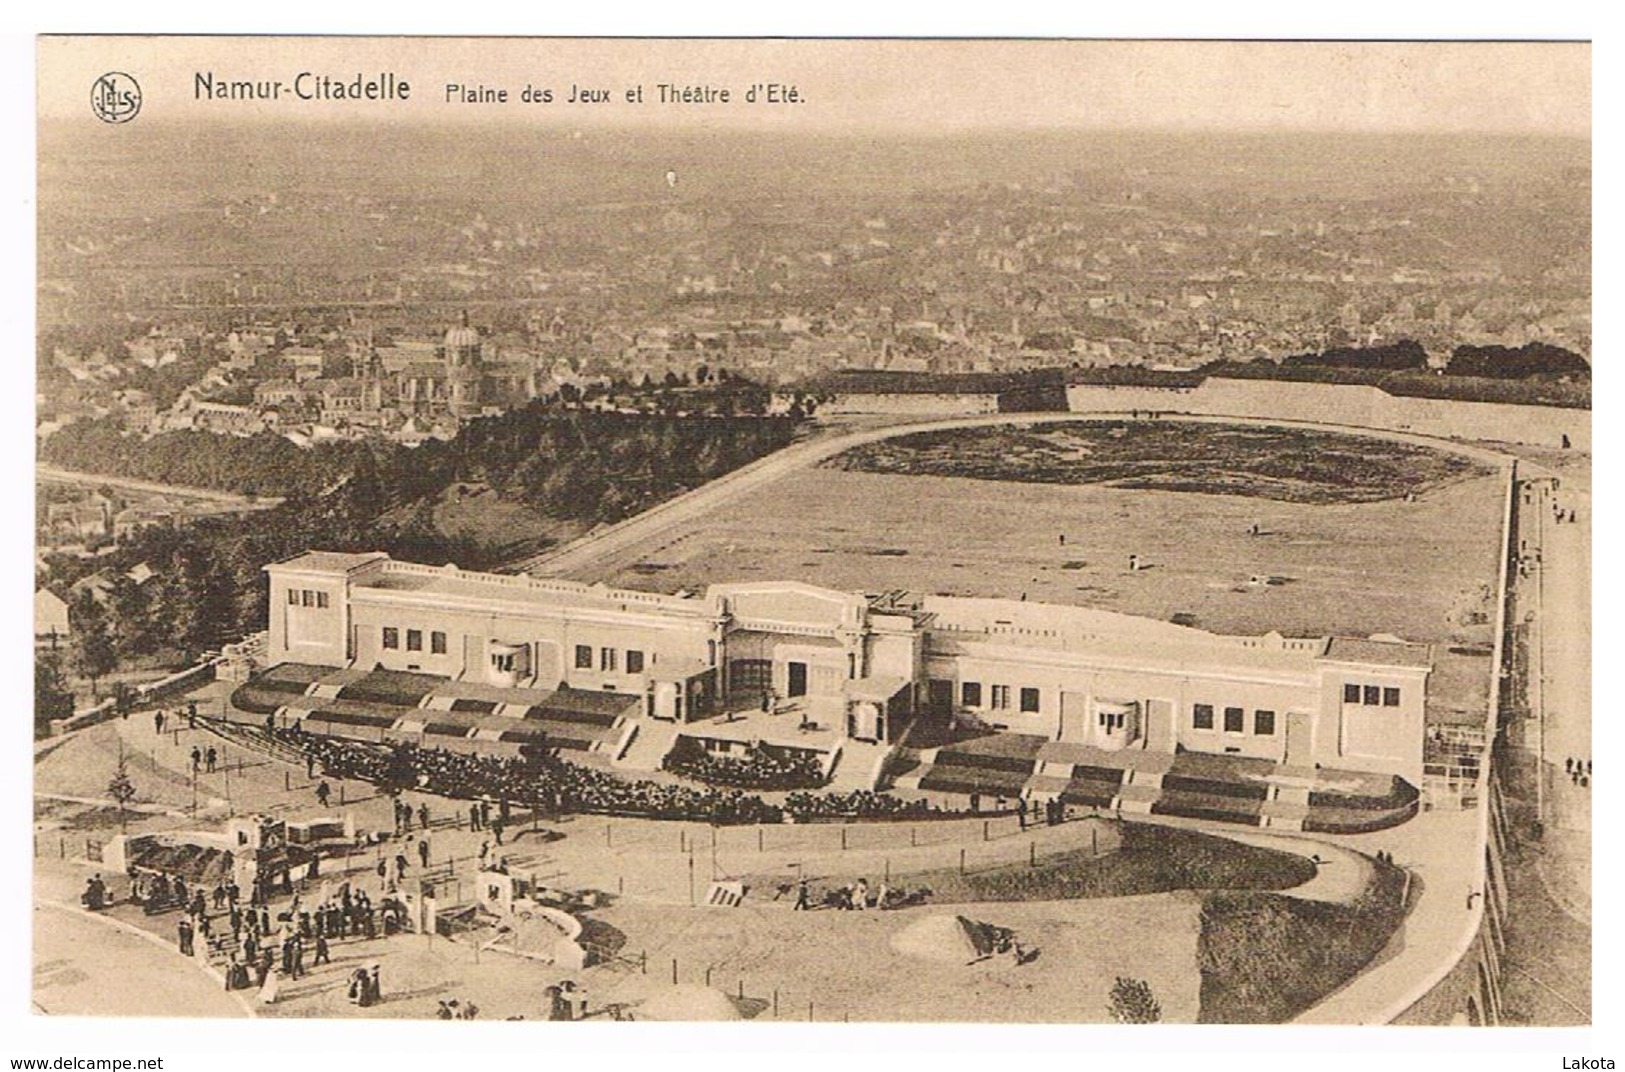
(860, 668)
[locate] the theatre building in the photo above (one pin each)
(853, 671)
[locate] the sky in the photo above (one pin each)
(913, 85)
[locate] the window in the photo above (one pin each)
(392, 637)
(970, 694)
(321, 600)
(1351, 694)
(1264, 723)
(1390, 697)
(1202, 716)
(606, 659)
(307, 598)
(583, 657)
(634, 661)
(437, 643)
(293, 597)
(1233, 719)
(1029, 701)
(1373, 696)
(1001, 698)
(414, 640)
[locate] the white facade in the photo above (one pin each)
(864, 666)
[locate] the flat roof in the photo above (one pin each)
(409, 577)
(1378, 652)
(329, 561)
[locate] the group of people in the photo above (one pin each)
(858, 804)
(95, 896)
(856, 897)
(364, 988)
(1579, 771)
(456, 1010)
(538, 779)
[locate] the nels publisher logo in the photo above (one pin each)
(115, 97)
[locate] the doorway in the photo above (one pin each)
(797, 679)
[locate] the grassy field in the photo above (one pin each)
(1152, 859)
(1265, 957)
(1420, 569)
(1284, 464)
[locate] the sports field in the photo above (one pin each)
(1421, 567)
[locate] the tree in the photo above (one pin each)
(93, 652)
(1133, 1003)
(51, 696)
(121, 789)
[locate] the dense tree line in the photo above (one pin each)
(1404, 354)
(208, 588)
(1535, 360)
(263, 465)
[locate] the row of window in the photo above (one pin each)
(1235, 720)
(307, 597)
(414, 640)
(970, 695)
(608, 659)
(1370, 695)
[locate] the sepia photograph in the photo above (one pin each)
(812, 531)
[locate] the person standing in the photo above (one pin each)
(183, 931)
(323, 954)
(210, 758)
(803, 897)
(197, 759)
(423, 815)
(423, 853)
(322, 793)
(158, 723)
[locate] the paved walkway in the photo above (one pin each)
(88, 965)
(1563, 633)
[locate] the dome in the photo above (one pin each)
(461, 335)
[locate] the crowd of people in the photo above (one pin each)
(538, 780)
(760, 768)
(858, 804)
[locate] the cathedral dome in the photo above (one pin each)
(461, 336)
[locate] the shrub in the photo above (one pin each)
(1133, 1003)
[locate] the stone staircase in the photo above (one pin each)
(859, 766)
(1140, 790)
(1286, 808)
(650, 743)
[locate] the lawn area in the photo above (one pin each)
(1289, 464)
(1266, 957)
(1152, 859)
